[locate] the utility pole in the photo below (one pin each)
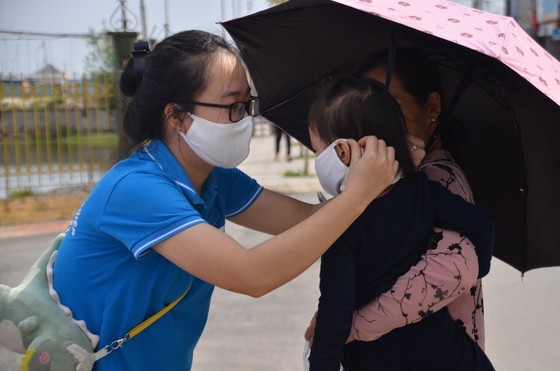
(143, 18)
(123, 41)
(45, 53)
(166, 25)
(223, 15)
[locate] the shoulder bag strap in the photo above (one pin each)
(136, 330)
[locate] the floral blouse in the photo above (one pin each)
(445, 276)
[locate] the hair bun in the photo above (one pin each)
(131, 77)
(139, 54)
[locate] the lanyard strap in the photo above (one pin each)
(107, 349)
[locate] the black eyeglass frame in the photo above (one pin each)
(251, 107)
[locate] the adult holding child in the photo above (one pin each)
(387, 239)
(153, 227)
(447, 275)
(416, 86)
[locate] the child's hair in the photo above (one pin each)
(352, 107)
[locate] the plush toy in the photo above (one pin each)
(34, 323)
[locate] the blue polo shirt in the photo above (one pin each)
(108, 275)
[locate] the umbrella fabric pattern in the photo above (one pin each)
(496, 36)
(498, 81)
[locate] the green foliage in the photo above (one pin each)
(21, 193)
(95, 140)
(68, 137)
(293, 173)
(54, 102)
(101, 59)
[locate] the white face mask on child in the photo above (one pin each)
(221, 145)
(330, 170)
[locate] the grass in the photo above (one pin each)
(21, 193)
(293, 173)
(103, 139)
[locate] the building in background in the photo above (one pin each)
(540, 18)
(49, 75)
(548, 18)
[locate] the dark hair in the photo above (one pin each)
(174, 72)
(352, 107)
(418, 73)
(420, 77)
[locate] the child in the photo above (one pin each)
(387, 239)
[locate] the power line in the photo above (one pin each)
(49, 34)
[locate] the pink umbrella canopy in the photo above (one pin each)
(501, 84)
(494, 35)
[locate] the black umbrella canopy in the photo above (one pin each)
(509, 155)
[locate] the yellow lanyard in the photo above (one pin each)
(136, 330)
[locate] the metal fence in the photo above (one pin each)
(57, 133)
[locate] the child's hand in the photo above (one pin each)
(310, 331)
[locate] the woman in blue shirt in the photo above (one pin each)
(153, 227)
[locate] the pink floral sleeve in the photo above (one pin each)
(445, 276)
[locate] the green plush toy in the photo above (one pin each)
(34, 323)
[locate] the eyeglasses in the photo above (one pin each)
(237, 110)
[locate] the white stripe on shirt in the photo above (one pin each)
(242, 208)
(140, 250)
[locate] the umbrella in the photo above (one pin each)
(500, 82)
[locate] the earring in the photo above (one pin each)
(433, 120)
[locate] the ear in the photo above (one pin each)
(343, 151)
(434, 105)
(172, 116)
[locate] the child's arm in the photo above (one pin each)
(336, 305)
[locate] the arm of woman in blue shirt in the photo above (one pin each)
(214, 257)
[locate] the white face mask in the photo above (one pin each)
(331, 171)
(221, 145)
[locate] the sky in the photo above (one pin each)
(24, 55)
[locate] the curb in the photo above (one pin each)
(57, 226)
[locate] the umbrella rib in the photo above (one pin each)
(463, 84)
(482, 75)
(284, 101)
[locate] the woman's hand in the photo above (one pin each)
(372, 168)
(310, 331)
(417, 152)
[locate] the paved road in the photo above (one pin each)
(266, 334)
(249, 334)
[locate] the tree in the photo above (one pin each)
(101, 59)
